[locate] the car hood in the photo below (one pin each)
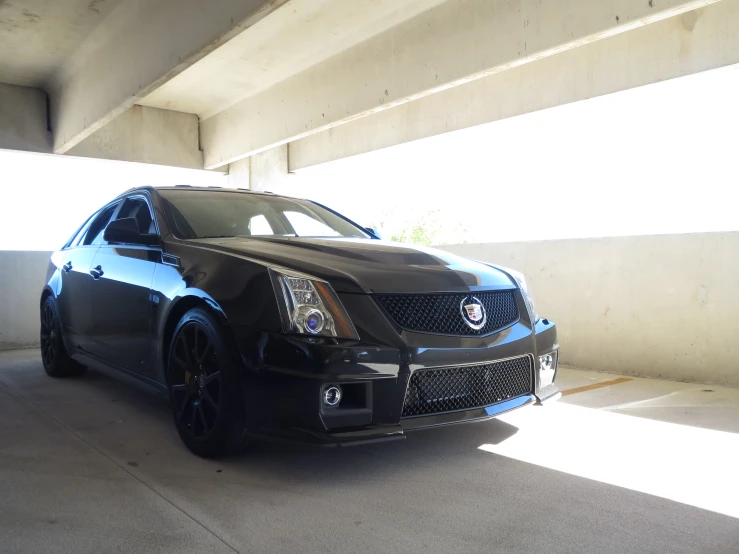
(366, 265)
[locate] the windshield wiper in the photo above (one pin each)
(218, 237)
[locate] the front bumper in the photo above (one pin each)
(286, 375)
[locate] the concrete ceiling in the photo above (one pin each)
(293, 38)
(43, 34)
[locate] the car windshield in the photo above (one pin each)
(199, 214)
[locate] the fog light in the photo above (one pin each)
(332, 396)
(547, 368)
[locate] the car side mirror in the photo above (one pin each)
(126, 230)
(374, 233)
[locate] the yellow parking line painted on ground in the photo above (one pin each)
(595, 386)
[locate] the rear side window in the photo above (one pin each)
(95, 232)
(77, 238)
(138, 209)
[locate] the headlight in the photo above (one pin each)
(309, 306)
(527, 296)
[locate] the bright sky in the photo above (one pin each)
(46, 198)
(657, 159)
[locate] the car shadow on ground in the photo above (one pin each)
(105, 396)
(420, 448)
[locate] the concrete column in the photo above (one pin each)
(263, 171)
(238, 174)
(23, 123)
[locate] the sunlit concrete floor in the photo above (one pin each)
(93, 464)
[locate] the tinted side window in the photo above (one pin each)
(77, 238)
(138, 209)
(95, 232)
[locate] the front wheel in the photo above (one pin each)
(204, 386)
(54, 356)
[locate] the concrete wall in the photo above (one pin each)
(660, 306)
(22, 276)
(23, 124)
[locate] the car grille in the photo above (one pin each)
(449, 389)
(440, 313)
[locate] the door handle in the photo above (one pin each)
(97, 272)
(67, 267)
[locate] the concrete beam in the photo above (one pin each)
(137, 48)
(454, 43)
(146, 135)
(23, 119)
(692, 42)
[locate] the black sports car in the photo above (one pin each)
(268, 316)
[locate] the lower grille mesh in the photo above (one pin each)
(449, 389)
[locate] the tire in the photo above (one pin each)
(203, 376)
(54, 356)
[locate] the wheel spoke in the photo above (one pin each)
(182, 342)
(212, 377)
(207, 353)
(187, 395)
(202, 419)
(49, 316)
(208, 398)
(195, 345)
(178, 361)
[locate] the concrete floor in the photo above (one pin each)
(94, 465)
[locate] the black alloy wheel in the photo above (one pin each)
(54, 356)
(196, 387)
(48, 334)
(203, 377)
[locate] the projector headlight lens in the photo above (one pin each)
(310, 306)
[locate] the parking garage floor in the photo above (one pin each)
(94, 464)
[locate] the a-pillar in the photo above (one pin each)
(265, 171)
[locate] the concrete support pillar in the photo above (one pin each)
(23, 121)
(239, 173)
(263, 171)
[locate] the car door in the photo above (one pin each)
(121, 307)
(73, 298)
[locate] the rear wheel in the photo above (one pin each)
(54, 356)
(205, 389)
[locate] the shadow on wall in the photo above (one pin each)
(22, 274)
(659, 306)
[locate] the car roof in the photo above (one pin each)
(194, 188)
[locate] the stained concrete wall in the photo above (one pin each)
(657, 306)
(22, 276)
(23, 124)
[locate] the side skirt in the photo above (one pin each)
(85, 358)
